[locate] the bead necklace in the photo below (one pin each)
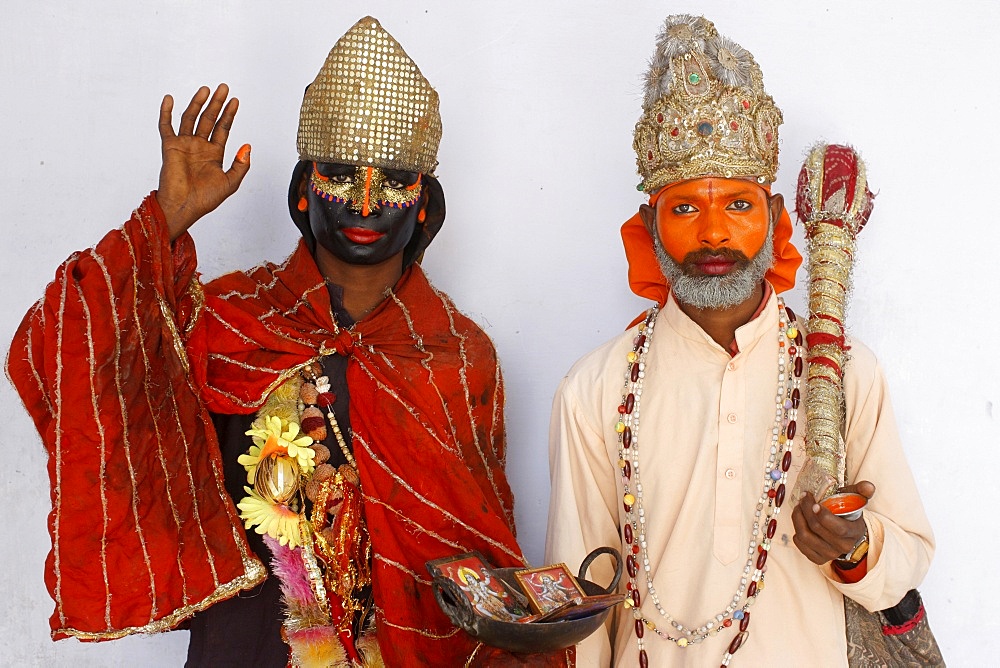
(312, 400)
(775, 474)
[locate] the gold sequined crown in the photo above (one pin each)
(370, 105)
(705, 111)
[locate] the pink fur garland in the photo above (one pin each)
(291, 571)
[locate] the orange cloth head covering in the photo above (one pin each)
(646, 279)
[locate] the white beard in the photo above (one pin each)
(716, 292)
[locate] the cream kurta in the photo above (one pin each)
(706, 421)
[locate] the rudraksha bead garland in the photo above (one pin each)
(787, 400)
(315, 394)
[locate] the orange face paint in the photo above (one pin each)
(366, 207)
(712, 214)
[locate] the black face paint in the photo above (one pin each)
(362, 215)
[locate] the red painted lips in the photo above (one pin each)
(360, 235)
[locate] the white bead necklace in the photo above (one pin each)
(775, 474)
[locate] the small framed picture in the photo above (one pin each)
(487, 593)
(548, 587)
(591, 605)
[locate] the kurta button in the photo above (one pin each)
(731, 366)
(730, 474)
(732, 418)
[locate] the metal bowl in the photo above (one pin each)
(845, 504)
(526, 638)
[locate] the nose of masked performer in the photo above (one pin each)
(362, 215)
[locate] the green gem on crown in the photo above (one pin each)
(694, 78)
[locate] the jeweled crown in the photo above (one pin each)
(705, 111)
(370, 105)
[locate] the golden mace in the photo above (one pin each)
(833, 202)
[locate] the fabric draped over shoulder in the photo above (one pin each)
(143, 532)
(426, 407)
(644, 275)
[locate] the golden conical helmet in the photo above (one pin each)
(370, 105)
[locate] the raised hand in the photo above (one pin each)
(193, 180)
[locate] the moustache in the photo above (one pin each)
(692, 259)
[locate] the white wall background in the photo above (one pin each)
(538, 101)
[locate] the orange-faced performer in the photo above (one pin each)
(681, 439)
